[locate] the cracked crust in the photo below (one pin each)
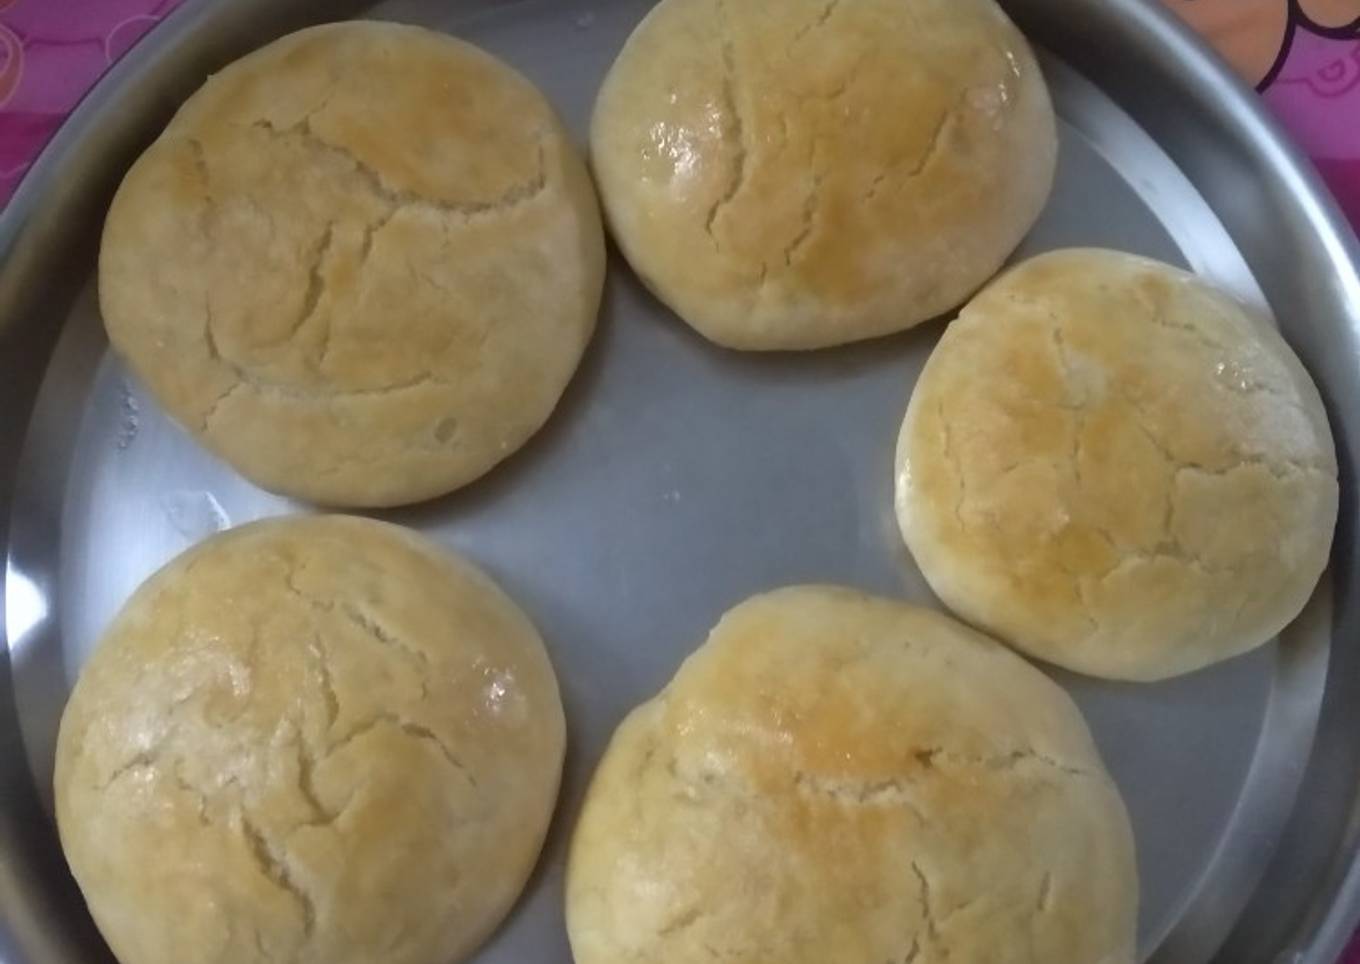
(361, 264)
(810, 173)
(835, 777)
(1117, 468)
(309, 740)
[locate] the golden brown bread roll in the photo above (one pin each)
(799, 174)
(318, 740)
(833, 777)
(1117, 468)
(361, 264)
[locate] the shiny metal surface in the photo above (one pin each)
(677, 478)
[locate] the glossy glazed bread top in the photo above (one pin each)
(1117, 468)
(319, 740)
(835, 777)
(806, 173)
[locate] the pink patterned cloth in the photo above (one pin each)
(1317, 92)
(1304, 56)
(52, 51)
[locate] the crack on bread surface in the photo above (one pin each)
(900, 172)
(927, 914)
(273, 863)
(396, 199)
(817, 22)
(247, 378)
(316, 286)
(734, 128)
(1045, 901)
(414, 731)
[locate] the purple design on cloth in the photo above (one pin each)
(1317, 94)
(51, 53)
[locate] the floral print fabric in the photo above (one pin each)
(51, 52)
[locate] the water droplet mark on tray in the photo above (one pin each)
(129, 417)
(195, 514)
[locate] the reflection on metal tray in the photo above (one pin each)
(677, 478)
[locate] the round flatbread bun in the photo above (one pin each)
(838, 778)
(360, 265)
(807, 173)
(1117, 468)
(322, 741)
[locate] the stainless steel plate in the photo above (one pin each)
(677, 478)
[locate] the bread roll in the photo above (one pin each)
(361, 264)
(1117, 468)
(799, 174)
(838, 778)
(320, 741)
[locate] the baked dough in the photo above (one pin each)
(321, 741)
(361, 264)
(1117, 468)
(807, 173)
(838, 778)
